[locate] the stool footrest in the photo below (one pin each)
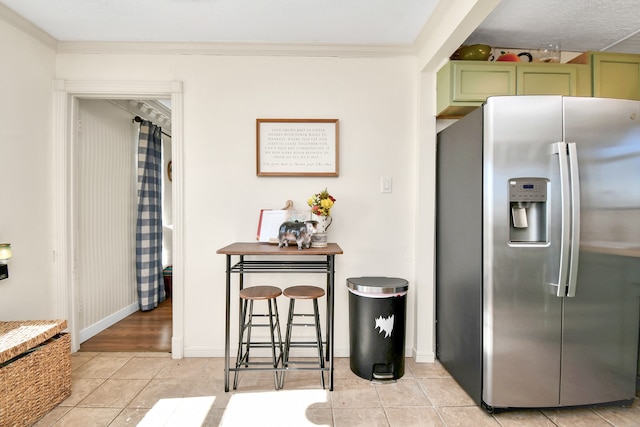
(250, 363)
(303, 344)
(265, 344)
(300, 362)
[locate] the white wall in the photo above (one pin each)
(387, 129)
(375, 101)
(106, 211)
(27, 72)
(449, 25)
(167, 204)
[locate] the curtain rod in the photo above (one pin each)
(138, 119)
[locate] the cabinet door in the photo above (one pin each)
(476, 82)
(547, 79)
(616, 76)
(464, 85)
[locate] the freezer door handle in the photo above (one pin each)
(560, 148)
(575, 218)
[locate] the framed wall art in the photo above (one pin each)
(297, 147)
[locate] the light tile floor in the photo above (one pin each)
(151, 389)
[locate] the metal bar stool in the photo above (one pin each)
(303, 292)
(247, 319)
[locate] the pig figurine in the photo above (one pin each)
(299, 231)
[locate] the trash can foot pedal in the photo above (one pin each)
(383, 378)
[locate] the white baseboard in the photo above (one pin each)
(110, 320)
(177, 347)
(424, 357)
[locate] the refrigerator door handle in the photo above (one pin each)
(575, 218)
(560, 148)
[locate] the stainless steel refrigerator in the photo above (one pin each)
(538, 251)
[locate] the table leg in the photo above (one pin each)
(227, 342)
(330, 308)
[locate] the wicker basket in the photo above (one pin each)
(35, 370)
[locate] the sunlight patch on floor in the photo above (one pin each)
(183, 412)
(276, 408)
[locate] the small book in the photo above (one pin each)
(271, 220)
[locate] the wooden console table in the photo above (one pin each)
(257, 257)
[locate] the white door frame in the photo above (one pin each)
(66, 95)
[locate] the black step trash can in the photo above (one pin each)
(377, 312)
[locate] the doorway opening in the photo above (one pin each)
(106, 208)
(66, 249)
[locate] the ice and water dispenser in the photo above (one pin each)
(528, 207)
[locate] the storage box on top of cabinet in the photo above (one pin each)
(35, 369)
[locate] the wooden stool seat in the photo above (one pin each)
(260, 292)
(303, 292)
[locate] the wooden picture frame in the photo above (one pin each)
(297, 147)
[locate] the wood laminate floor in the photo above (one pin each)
(142, 331)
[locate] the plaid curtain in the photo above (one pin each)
(149, 223)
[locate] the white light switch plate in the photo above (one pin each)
(386, 184)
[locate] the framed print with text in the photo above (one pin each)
(297, 147)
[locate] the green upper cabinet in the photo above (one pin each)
(613, 75)
(465, 85)
(549, 79)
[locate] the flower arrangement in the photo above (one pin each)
(321, 203)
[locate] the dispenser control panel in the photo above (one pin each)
(528, 206)
(528, 190)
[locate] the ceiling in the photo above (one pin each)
(274, 21)
(578, 25)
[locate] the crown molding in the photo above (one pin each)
(238, 49)
(208, 48)
(12, 18)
